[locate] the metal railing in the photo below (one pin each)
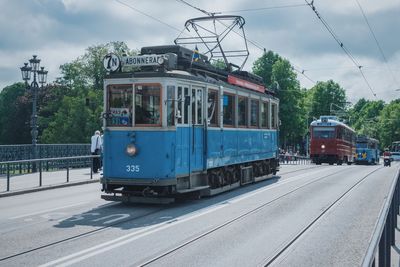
(48, 164)
(22, 152)
(25, 152)
(384, 234)
(291, 159)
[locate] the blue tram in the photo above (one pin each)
(367, 151)
(395, 151)
(174, 127)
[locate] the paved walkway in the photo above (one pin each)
(30, 182)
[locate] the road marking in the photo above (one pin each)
(87, 253)
(144, 231)
(44, 211)
(119, 217)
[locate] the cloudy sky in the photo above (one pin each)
(59, 31)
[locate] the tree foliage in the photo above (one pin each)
(389, 124)
(364, 117)
(69, 109)
(15, 115)
(326, 98)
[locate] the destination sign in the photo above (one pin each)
(145, 60)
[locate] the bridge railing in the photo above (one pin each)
(47, 164)
(379, 250)
(292, 159)
(25, 152)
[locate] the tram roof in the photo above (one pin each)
(175, 60)
(329, 121)
(365, 139)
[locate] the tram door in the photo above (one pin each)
(191, 137)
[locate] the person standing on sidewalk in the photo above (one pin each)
(95, 149)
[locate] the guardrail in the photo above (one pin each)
(384, 234)
(43, 164)
(290, 159)
(25, 151)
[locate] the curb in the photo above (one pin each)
(47, 187)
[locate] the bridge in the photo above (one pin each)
(307, 215)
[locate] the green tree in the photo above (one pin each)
(326, 98)
(82, 104)
(291, 111)
(389, 124)
(74, 122)
(263, 67)
(87, 71)
(364, 117)
(15, 112)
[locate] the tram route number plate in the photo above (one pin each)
(132, 168)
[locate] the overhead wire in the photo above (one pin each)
(149, 16)
(341, 44)
(262, 8)
(298, 70)
(377, 44)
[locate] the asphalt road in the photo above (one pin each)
(335, 208)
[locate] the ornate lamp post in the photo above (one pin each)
(26, 72)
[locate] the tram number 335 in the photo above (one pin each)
(132, 168)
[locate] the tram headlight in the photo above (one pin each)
(323, 146)
(131, 150)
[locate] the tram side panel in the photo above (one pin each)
(236, 146)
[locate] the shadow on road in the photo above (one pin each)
(130, 216)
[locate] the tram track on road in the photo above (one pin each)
(81, 235)
(270, 260)
(250, 212)
(104, 228)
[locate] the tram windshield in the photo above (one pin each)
(362, 145)
(395, 146)
(119, 105)
(147, 105)
(323, 132)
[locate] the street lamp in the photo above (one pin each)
(26, 72)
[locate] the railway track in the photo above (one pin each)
(87, 233)
(270, 259)
(181, 246)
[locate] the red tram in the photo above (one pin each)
(332, 141)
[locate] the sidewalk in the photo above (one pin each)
(20, 184)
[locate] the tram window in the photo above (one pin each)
(194, 107)
(323, 132)
(274, 117)
(212, 106)
(120, 100)
(170, 105)
(199, 100)
(362, 145)
(180, 103)
(339, 133)
(186, 106)
(264, 115)
(242, 111)
(228, 110)
(147, 104)
(254, 112)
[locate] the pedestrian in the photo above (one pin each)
(95, 149)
